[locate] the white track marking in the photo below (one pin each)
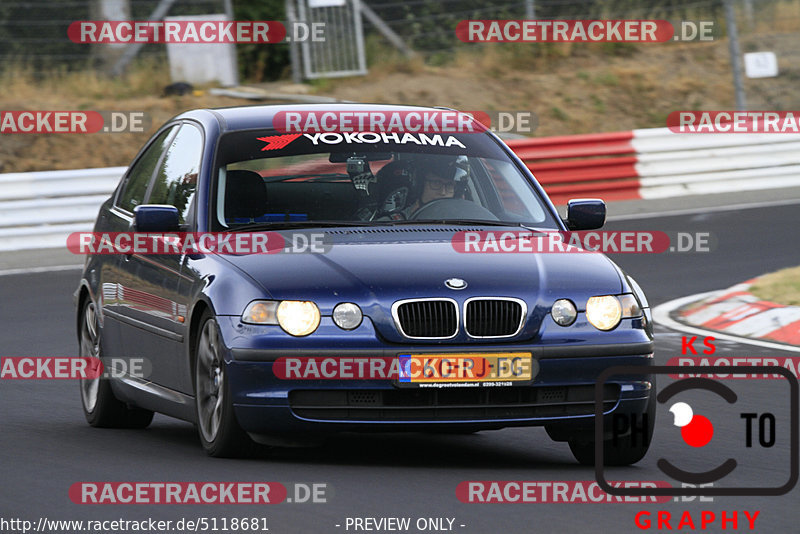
(693, 211)
(36, 270)
(661, 317)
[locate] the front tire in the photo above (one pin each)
(628, 449)
(220, 433)
(100, 407)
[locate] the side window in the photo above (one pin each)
(176, 179)
(508, 194)
(139, 177)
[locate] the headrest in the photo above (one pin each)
(245, 195)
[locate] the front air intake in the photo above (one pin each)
(494, 317)
(426, 318)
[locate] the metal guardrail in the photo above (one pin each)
(40, 209)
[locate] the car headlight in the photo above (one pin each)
(296, 317)
(604, 313)
(564, 312)
(347, 315)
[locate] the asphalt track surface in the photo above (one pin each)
(47, 446)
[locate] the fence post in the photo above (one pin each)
(733, 47)
(294, 53)
(132, 49)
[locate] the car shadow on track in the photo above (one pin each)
(505, 449)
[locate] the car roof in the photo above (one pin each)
(261, 116)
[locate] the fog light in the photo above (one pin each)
(347, 316)
(564, 312)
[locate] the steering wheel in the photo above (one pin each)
(453, 208)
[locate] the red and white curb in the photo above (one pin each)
(734, 314)
(659, 163)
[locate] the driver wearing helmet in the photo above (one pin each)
(435, 185)
(429, 179)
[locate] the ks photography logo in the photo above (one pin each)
(702, 431)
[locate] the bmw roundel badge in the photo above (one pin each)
(455, 283)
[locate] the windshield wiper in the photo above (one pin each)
(291, 225)
(454, 222)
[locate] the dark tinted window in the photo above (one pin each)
(176, 179)
(139, 176)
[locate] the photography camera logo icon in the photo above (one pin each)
(697, 430)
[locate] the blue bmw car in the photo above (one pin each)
(381, 308)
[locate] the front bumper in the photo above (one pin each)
(561, 392)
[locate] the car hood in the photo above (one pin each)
(376, 267)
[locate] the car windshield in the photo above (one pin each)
(267, 178)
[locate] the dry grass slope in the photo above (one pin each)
(781, 286)
(572, 88)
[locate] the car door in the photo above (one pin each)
(116, 271)
(158, 310)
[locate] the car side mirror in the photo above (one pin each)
(155, 218)
(585, 214)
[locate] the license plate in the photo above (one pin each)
(467, 370)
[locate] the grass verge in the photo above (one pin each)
(782, 287)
